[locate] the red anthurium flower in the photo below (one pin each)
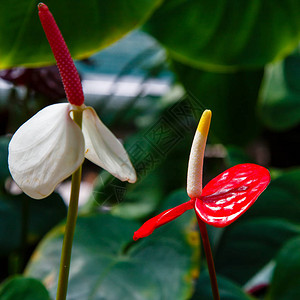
(223, 199)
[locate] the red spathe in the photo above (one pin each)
(226, 197)
(223, 199)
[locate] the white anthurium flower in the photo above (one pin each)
(50, 146)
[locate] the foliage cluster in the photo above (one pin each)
(239, 59)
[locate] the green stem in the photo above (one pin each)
(70, 226)
(209, 259)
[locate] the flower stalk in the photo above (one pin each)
(209, 259)
(70, 226)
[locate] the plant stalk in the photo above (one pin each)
(70, 226)
(209, 259)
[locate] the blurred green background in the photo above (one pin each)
(150, 68)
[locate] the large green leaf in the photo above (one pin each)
(232, 98)
(141, 198)
(87, 26)
(286, 277)
(246, 247)
(157, 149)
(106, 264)
(225, 35)
(42, 216)
(280, 200)
(227, 289)
(22, 288)
(237, 155)
(280, 98)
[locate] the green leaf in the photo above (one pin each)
(281, 199)
(22, 288)
(130, 201)
(87, 27)
(286, 277)
(232, 98)
(156, 149)
(227, 289)
(141, 198)
(280, 99)
(43, 215)
(226, 35)
(106, 264)
(246, 247)
(144, 197)
(236, 155)
(4, 172)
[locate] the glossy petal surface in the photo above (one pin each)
(166, 216)
(45, 150)
(104, 149)
(231, 193)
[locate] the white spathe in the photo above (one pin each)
(104, 149)
(50, 146)
(45, 150)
